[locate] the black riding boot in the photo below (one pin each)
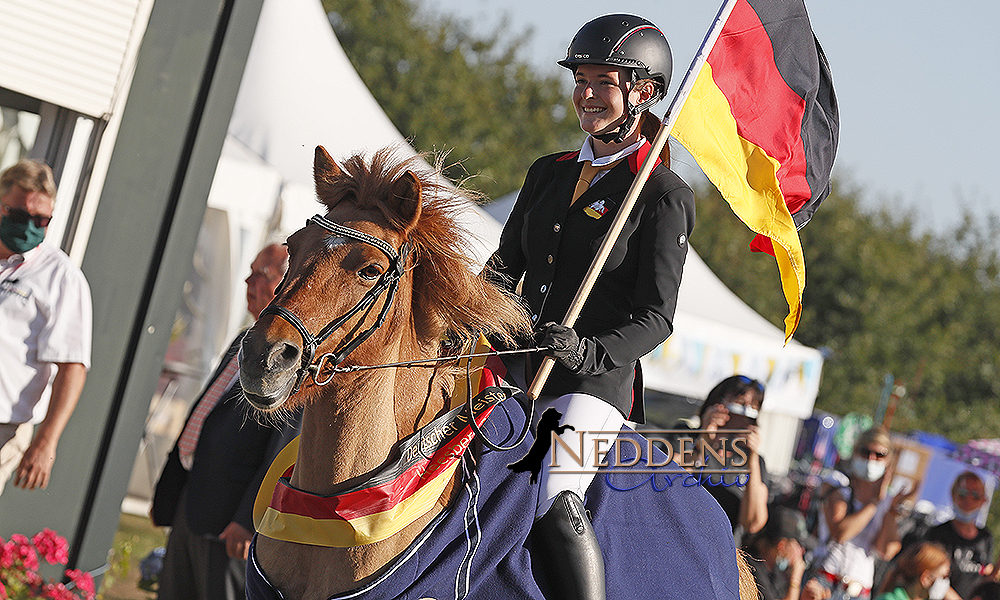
(565, 556)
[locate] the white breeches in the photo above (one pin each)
(589, 415)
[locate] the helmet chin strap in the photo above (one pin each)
(617, 135)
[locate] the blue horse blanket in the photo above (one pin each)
(662, 535)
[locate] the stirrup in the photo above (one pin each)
(565, 556)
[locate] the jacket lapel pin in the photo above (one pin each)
(596, 210)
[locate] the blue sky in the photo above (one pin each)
(916, 84)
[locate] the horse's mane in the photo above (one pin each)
(449, 297)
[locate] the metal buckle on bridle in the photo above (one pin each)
(388, 283)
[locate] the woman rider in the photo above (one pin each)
(621, 65)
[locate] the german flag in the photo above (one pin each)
(762, 122)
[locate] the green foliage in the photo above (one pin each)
(448, 90)
(883, 298)
(135, 538)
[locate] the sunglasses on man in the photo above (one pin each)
(21, 216)
(872, 453)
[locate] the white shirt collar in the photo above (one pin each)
(587, 152)
(18, 258)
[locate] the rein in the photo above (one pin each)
(426, 362)
(388, 283)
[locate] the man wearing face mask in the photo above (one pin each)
(858, 524)
(45, 336)
(969, 546)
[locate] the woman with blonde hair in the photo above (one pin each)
(920, 573)
(858, 523)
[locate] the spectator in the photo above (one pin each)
(858, 524)
(969, 546)
(779, 552)
(209, 484)
(920, 573)
(45, 339)
(734, 403)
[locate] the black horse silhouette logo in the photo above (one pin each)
(532, 461)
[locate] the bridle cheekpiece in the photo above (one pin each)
(387, 283)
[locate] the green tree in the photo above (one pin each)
(451, 91)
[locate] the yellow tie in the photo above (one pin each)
(587, 175)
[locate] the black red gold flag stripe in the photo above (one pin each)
(762, 122)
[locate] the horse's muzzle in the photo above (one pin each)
(267, 369)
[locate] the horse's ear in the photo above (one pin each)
(324, 167)
(406, 195)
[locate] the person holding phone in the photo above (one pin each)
(734, 404)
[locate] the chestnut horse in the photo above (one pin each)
(383, 278)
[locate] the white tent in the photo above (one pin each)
(299, 91)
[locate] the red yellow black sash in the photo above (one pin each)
(394, 496)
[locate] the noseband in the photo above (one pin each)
(388, 283)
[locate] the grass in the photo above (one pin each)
(135, 538)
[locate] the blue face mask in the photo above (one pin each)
(965, 516)
(20, 236)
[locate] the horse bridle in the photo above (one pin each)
(387, 283)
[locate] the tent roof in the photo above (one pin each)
(295, 96)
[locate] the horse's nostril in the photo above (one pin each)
(283, 356)
(290, 354)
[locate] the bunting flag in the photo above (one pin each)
(395, 495)
(762, 122)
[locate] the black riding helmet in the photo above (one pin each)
(623, 40)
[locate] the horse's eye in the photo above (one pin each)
(370, 273)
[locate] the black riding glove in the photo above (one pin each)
(563, 344)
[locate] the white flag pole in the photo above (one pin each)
(597, 265)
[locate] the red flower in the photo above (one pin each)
(6, 555)
(57, 591)
(52, 546)
(83, 582)
(24, 552)
(19, 569)
(32, 578)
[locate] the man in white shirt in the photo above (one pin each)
(45, 328)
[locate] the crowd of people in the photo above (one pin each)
(855, 549)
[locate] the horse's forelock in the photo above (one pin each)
(447, 293)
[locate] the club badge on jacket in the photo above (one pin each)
(596, 210)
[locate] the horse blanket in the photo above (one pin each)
(662, 535)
